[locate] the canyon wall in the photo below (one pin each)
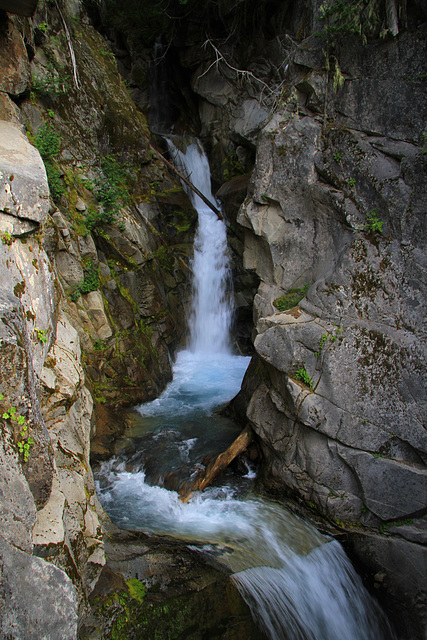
(94, 244)
(334, 225)
(335, 228)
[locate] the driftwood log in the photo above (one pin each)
(218, 464)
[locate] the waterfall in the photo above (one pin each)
(317, 596)
(211, 311)
(298, 583)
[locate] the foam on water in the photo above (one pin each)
(201, 382)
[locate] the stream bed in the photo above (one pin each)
(298, 583)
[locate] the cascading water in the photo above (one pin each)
(299, 584)
(211, 308)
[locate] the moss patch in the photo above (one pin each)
(291, 298)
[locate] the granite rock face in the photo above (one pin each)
(38, 599)
(36, 501)
(335, 228)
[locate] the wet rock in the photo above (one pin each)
(402, 565)
(168, 589)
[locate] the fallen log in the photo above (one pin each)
(218, 464)
(180, 175)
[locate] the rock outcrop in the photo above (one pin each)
(94, 283)
(48, 501)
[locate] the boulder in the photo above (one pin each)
(398, 567)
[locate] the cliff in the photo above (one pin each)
(334, 227)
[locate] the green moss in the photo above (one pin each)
(137, 589)
(291, 298)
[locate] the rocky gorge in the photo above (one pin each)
(317, 150)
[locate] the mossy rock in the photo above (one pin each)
(188, 598)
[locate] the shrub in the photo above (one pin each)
(48, 142)
(111, 188)
(90, 282)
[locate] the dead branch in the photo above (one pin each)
(187, 182)
(273, 93)
(240, 444)
(70, 47)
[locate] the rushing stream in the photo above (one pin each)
(299, 584)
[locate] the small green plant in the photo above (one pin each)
(56, 186)
(303, 377)
(6, 238)
(112, 187)
(98, 345)
(291, 298)
(48, 142)
(90, 281)
(337, 156)
(23, 442)
(52, 82)
(358, 17)
(351, 182)
(373, 223)
(41, 335)
(322, 341)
